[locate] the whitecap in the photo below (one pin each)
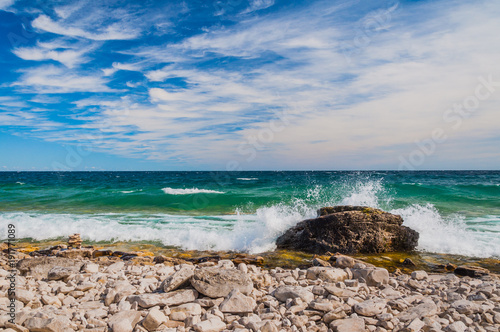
(174, 191)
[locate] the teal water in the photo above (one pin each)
(456, 212)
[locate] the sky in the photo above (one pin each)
(249, 85)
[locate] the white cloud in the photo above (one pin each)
(5, 4)
(115, 31)
(47, 51)
(51, 79)
(121, 66)
(362, 101)
(258, 5)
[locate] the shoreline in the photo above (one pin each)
(429, 262)
(96, 290)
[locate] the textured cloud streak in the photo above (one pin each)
(360, 83)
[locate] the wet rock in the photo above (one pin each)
(350, 229)
(215, 282)
(319, 262)
(471, 271)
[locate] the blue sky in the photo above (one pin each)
(249, 84)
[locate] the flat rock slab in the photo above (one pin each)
(39, 267)
(178, 279)
(178, 297)
(237, 303)
(369, 308)
(348, 325)
(283, 293)
(216, 282)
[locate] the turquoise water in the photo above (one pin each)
(456, 212)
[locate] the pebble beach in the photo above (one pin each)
(72, 290)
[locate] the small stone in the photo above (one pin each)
(237, 303)
(59, 273)
(154, 319)
(52, 324)
(214, 324)
(370, 307)
(51, 300)
(124, 321)
(419, 275)
(415, 325)
(183, 311)
(351, 283)
(269, 327)
(422, 310)
(372, 276)
(115, 267)
(319, 262)
(90, 268)
(177, 297)
(344, 261)
(216, 282)
(456, 327)
(15, 327)
(408, 262)
(348, 325)
(178, 279)
(243, 267)
(283, 293)
(466, 307)
(24, 296)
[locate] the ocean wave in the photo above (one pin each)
(247, 179)
(453, 234)
(243, 232)
(130, 191)
(174, 191)
(256, 232)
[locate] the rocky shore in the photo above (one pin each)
(75, 291)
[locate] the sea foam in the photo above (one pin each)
(173, 191)
(257, 232)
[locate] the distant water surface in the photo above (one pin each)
(456, 212)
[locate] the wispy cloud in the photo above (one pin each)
(68, 55)
(352, 77)
(113, 31)
(52, 79)
(5, 4)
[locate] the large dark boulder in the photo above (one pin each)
(350, 229)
